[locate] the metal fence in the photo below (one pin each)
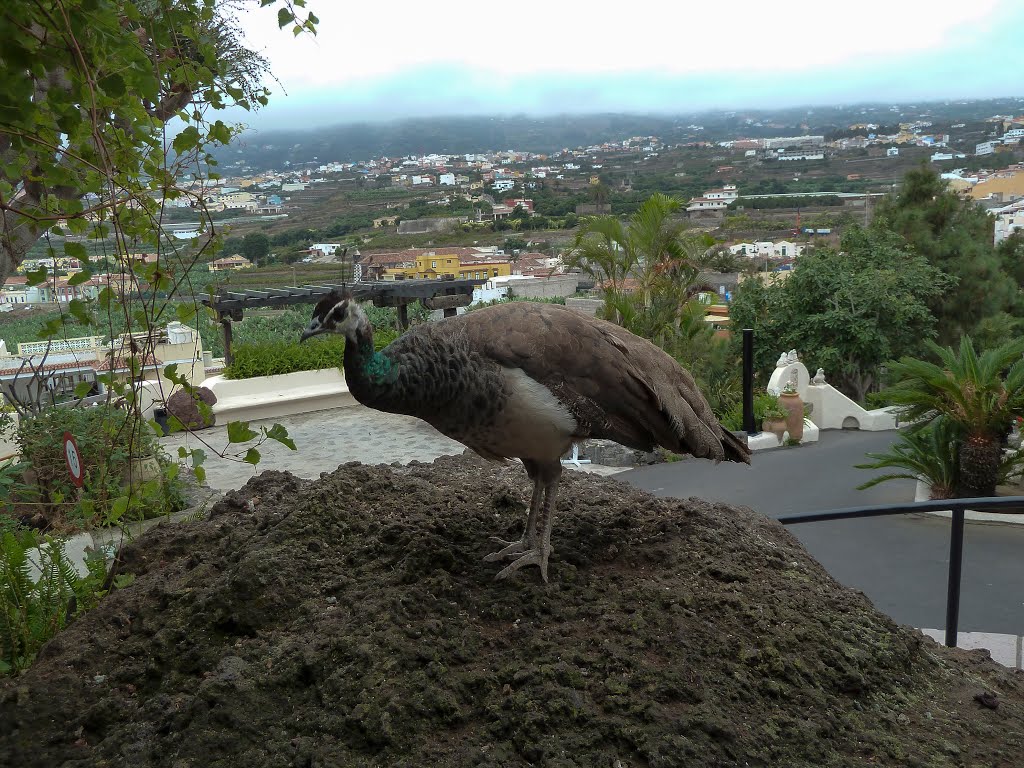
(1006, 505)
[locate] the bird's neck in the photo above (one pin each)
(367, 371)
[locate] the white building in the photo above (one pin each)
(798, 154)
(324, 249)
(446, 179)
(704, 204)
(727, 193)
(784, 249)
(794, 141)
(503, 185)
(985, 148)
(892, 152)
(1009, 219)
(245, 201)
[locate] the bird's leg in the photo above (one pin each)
(541, 551)
(529, 537)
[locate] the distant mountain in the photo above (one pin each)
(460, 135)
(456, 135)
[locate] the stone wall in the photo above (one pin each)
(544, 287)
(586, 306)
(425, 226)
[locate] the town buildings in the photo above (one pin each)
(1009, 219)
(54, 368)
(441, 264)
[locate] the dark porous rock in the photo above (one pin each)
(183, 406)
(352, 621)
(612, 454)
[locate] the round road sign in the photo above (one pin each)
(74, 459)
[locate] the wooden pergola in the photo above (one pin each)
(446, 295)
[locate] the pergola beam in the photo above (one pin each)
(447, 294)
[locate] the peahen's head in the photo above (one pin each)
(338, 313)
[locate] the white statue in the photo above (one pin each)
(783, 361)
(792, 357)
(819, 377)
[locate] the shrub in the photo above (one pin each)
(108, 440)
(274, 358)
(34, 610)
(766, 407)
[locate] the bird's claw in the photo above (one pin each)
(530, 557)
(510, 549)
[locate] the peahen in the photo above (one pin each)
(526, 380)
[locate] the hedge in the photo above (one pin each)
(274, 358)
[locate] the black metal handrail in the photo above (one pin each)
(1004, 505)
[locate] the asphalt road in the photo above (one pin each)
(900, 562)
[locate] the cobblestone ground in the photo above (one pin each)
(324, 440)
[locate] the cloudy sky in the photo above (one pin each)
(380, 61)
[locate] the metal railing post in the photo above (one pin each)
(956, 553)
(749, 426)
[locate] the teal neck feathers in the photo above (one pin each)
(376, 366)
(368, 372)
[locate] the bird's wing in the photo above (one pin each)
(617, 385)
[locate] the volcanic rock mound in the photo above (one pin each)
(350, 621)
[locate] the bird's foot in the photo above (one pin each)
(537, 556)
(510, 549)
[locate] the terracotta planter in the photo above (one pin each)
(793, 405)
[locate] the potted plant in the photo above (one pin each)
(793, 406)
(770, 414)
(926, 453)
(970, 401)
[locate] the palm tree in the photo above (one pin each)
(652, 248)
(979, 395)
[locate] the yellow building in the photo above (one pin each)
(230, 262)
(1004, 187)
(432, 266)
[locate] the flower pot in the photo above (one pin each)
(141, 469)
(793, 405)
(160, 417)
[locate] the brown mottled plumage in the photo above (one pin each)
(526, 380)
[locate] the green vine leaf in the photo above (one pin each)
(239, 432)
(279, 433)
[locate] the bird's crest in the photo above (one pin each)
(330, 301)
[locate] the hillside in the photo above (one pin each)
(350, 621)
(551, 133)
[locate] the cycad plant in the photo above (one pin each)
(977, 395)
(925, 453)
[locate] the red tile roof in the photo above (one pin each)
(11, 369)
(120, 363)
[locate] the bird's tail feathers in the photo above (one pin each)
(735, 448)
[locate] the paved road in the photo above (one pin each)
(899, 562)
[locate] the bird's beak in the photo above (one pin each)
(311, 332)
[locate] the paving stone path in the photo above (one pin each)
(324, 440)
